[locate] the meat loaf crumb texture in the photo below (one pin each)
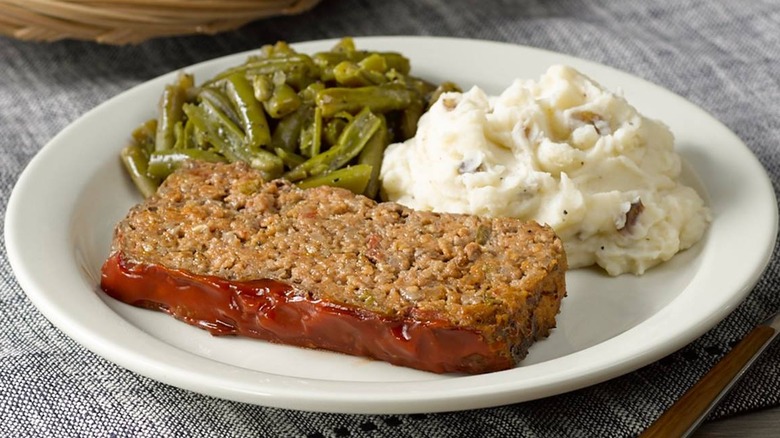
(499, 281)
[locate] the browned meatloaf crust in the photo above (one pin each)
(220, 248)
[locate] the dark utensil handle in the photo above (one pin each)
(688, 412)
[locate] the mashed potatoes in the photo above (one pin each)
(562, 151)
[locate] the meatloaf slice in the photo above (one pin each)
(220, 248)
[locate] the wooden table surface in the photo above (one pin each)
(760, 424)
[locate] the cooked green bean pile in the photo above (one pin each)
(314, 119)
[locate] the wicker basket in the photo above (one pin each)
(133, 21)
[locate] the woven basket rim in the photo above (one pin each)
(134, 21)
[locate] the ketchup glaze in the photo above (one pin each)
(271, 310)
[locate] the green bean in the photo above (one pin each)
(374, 62)
(299, 69)
(226, 138)
(188, 137)
(353, 178)
(352, 75)
(332, 130)
(350, 143)
(178, 131)
(219, 100)
(309, 94)
(304, 141)
(345, 45)
(409, 117)
(288, 130)
(170, 112)
(290, 159)
(185, 81)
(218, 130)
(372, 154)
(311, 134)
(421, 86)
(251, 115)
(266, 65)
(222, 132)
(163, 163)
(135, 160)
(283, 101)
(296, 78)
(281, 48)
(317, 135)
(268, 164)
(379, 98)
(263, 87)
(393, 120)
(144, 135)
(199, 137)
(394, 61)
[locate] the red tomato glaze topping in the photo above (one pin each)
(269, 310)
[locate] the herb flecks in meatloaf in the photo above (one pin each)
(500, 279)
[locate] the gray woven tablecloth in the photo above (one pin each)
(721, 54)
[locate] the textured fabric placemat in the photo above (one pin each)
(722, 55)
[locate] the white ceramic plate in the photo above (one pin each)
(62, 211)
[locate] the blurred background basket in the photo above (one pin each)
(133, 21)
